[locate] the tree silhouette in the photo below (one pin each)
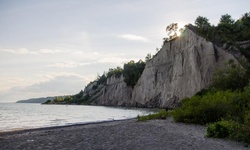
(226, 19)
(202, 22)
(172, 31)
(148, 57)
(203, 26)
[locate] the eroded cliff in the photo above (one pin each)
(114, 93)
(180, 69)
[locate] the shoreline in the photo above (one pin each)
(122, 134)
(33, 116)
(21, 130)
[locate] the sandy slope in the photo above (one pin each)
(128, 134)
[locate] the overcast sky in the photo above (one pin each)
(55, 47)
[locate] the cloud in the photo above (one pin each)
(113, 60)
(133, 37)
(68, 64)
(93, 57)
(67, 84)
(19, 51)
(50, 51)
(25, 51)
(63, 84)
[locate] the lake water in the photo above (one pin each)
(18, 116)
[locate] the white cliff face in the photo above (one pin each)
(115, 93)
(181, 68)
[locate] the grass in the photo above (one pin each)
(162, 114)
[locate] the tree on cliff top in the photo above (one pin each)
(148, 57)
(132, 72)
(203, 26)
(226, 19)
(228, 31)
(172, 31)
(202, 22)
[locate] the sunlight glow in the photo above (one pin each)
(180, 28)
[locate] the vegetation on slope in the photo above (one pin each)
(71, 99)
(225, 106)
(131, 72)
(234, 34)
(222, 110)
(226, 101)
(162, 114)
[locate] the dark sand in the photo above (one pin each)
(117, 135)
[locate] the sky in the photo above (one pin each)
(56, 47)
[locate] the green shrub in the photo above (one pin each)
(102, 79)
(232, 77)
(229, 129)
(223, 129)
(132, 72)
(162, 114)
(247, 117)
(206, 109)
(227, 113)
(48, 102)
(245, 134)
(79, 95)
(115, 71)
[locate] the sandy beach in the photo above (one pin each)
(117, 135)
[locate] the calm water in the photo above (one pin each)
(16, 116)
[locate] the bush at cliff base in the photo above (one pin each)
(208, 108)
(223, 129)
(229, 129)
(227, 113)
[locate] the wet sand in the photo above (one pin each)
(117, 135)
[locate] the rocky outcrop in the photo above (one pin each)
(114, 93)
(180, 69)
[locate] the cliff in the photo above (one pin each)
(114, 93)
(180, 69)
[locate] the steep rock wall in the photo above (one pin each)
(114, 93)
(181, 68)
